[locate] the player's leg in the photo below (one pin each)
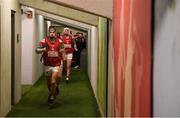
(54, 76)
(68, 66)
(59, 78)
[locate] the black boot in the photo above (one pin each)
(51, 100)
(67, 80)
(57, 90)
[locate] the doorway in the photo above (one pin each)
(12, 56)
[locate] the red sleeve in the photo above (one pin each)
(42, 42)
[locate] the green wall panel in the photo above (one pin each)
(102, 65)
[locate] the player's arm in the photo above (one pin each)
(74, 44)
(62, 49)
(42, 47)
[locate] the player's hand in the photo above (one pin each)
(76, 49)
(40, 50)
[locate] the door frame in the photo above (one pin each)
(13, 57)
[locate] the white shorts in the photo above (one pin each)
(69, 56)
(50, 69)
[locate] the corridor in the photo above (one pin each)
(128, 67)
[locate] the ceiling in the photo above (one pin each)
(63, 11)
(99, 7)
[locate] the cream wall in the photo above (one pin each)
(88, 47)
(33, 31)
(28, 36)
(100, 7)
(93, 58)
(39, 35)
(5, 79)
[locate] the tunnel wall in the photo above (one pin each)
(32, 32)
(39, 35)
(166, 59)
(92, 62)
(102, 64)
(89, 47)
(131, 46)
(5, 55)
(110, 86)
(28, 37)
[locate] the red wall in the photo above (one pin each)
(131, 43)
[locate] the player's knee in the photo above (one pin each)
(53, 83)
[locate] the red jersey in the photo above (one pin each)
(68, 44)
(52, 56)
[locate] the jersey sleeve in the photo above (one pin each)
(42, 43)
